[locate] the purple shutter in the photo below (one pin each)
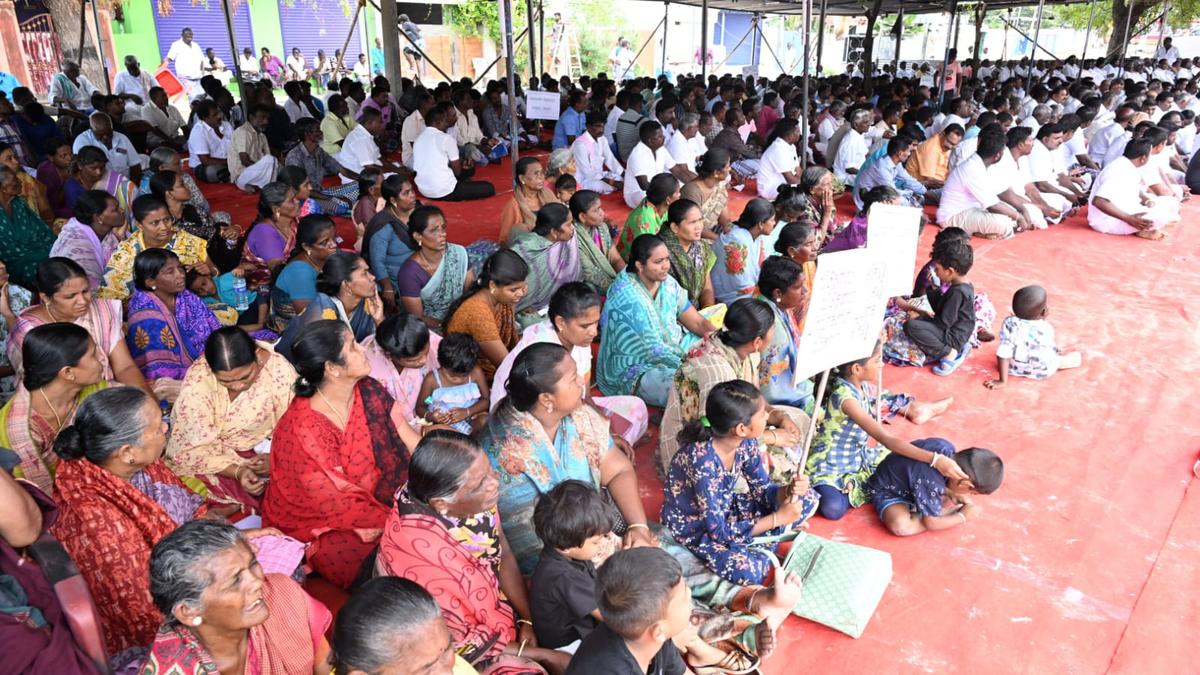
(320, 24)
(207, 21)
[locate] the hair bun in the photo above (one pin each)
(69, 444)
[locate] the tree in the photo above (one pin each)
(66, 16)
(869, 44)
(1114, 15)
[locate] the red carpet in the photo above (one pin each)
(1087, 559)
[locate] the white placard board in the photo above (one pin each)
(892, 234)
(542, 105)
(845, 313)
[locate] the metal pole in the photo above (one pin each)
(896, 56)
(1125, 42)
(506, 25)
(804, 87)
(389, 20)
(542, 36)
(666, 12)
(1087, 37)
(532, 40)
(233, 48)
(957, 29)
(100, 48)
(1037, 32)
(661, 24)
(820, 35)
(941, 85)
(754, 21)
(704, 41)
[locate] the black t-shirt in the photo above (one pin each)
(562, 597)
(603, 652)
(955, 311)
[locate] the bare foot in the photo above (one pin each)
(1152, 235)
(779, 600)
(920, 412)
(1070, 360)
(764, 639)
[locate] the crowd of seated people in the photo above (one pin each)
(431, 426)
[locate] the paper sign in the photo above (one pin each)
(892, 234)
(845, 314)
(542, 105)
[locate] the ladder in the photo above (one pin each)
(574, 64)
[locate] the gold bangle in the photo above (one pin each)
(630, 526)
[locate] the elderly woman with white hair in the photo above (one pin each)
(206, 580)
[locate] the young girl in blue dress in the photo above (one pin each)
(456, 393)
(719, 497)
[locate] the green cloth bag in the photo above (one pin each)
(844, 587)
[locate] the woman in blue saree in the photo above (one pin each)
(168, 324)
(643, 326)
(346, 292)
(545, 392)
(782, 284)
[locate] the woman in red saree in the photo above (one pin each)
(337, 455)
(208, 584)
(444, 534)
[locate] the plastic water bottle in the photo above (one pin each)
(241, 298)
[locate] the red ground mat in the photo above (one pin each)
(1087, 558)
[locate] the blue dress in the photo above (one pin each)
(712, 511)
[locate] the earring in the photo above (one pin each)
(154, 288)
(129, 462)
(197, 621)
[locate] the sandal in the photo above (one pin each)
(736, 662)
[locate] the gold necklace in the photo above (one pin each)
(50, 405)
(50, 313)
(340, 418)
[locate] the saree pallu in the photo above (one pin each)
(164, 343)
(324, 307)
(446, 284)
(690, 268)
(333, 487)
(209, 432)
(640, 333)
(777, 373)
(551, 264)
(288, 642)
(594, 245)
(35, 447)
(739, 257)
(123, 190)
(531, 464)
(259, 278)
(109, 527)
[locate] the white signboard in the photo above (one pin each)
(892, 234)
(845, 314)
(542, 105)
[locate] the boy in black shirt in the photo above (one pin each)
(946, 336)
(572, 522)
(645, 603)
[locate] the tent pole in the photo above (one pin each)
(542, 36)
(389, 22)
(1125, 42)
(820, 35)
(804, 111)
(662, 68)
(941, 85)
(1037, 32)
(237, 68)
(515, 126)
(532, 41)
(896, 56)
(704, 41)
(771, 50)
(755, 20)
(1087, 37)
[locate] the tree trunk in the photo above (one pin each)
(66, 14)
(869, 47)
(980, 13)
(1120, 10)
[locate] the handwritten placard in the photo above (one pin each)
(542, 105)
(845, 314)
(892, 234)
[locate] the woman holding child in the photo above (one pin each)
(542, 434)
(444, 533)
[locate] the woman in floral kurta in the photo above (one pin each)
(712, 511)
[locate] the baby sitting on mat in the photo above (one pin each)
(1027, 346)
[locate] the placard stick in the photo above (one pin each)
(812, 421)
(879, 397)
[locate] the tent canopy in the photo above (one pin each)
(856, 7)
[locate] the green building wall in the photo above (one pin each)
(137, 35)
(264, 21)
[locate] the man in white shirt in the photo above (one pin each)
(1119, 206)
(71, 88)
(412, 127)
(596, 167)
(472, 142)
(610, 124)
(297, 66)
(1166, 52)
(648, 159)
(829, 124)
(123, 158)
(359, 149)
(1046, 167)
(164, 120)
(682, 149)
(249, 65)
(1115, 132)
(440, 172)
(189, 63)
(852, 151)
(134, 84)
(1043, 209)
(251, 164)
(208, 144)
(969, 200)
